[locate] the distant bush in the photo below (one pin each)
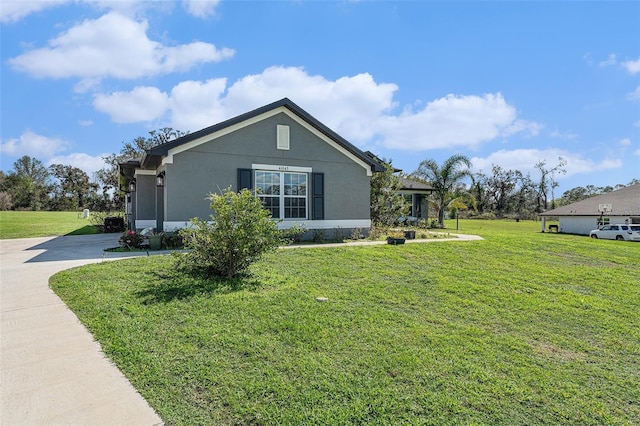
(97, 218)
(5, 201)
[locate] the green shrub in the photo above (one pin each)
(318, 236)
(172, 240)
(240, 233)
(97, 218)
(356, 234)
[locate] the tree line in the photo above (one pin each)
(498, 193)
(30, 185)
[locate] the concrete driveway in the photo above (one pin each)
(52, 371)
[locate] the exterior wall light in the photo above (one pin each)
(160, 179)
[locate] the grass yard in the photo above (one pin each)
(521, 328)
(28, 224)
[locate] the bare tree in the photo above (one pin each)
(547, 182)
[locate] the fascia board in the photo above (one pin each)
(248, 122)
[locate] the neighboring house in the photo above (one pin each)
(303, 171)
(616, 207)
(415, 194)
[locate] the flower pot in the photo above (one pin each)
(395, 241)
(410, 235)
(155, 242)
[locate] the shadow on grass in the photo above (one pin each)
(179, 285)
(85, 230)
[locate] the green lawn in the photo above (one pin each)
(521, 328)
(16, 224)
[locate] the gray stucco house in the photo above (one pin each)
(616, 207)
(303, 171)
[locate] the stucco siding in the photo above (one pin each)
(580, 225)
(145, 197)
(212, 167)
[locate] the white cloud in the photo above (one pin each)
(625, 142)
(563, 135)
(86, 162)
(356, 107)
(637, 152)
(349, 105)
(453, 121)
(113, 46)
(140, 104)
(611, 60)
(201, 8)
(632, 66)
(635, 95)
(196, 105)
(525, 160)
(33, 145)
(15, 10)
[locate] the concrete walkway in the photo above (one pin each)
(52, 371)
(448, 238)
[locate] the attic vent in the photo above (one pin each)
(283, 137)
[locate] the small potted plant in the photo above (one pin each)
(155, 240)
(395, 237)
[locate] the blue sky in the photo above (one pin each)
(505, 83)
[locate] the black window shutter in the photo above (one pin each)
(317, 196)
(245, 179)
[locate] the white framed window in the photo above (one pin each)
(283, 193)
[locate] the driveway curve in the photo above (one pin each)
(52, 370)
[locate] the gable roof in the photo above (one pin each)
(624, 202)
(153, 157)
(414, 186)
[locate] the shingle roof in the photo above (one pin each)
(624, 202)
(412, 185)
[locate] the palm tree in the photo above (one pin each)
(444, 179)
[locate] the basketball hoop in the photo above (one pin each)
(604, 208)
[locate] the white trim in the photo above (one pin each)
(172, 225)
(276, 168)
(326, 224)
(145, 223)
(140, 172)
(230, 129)
(307, 224)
